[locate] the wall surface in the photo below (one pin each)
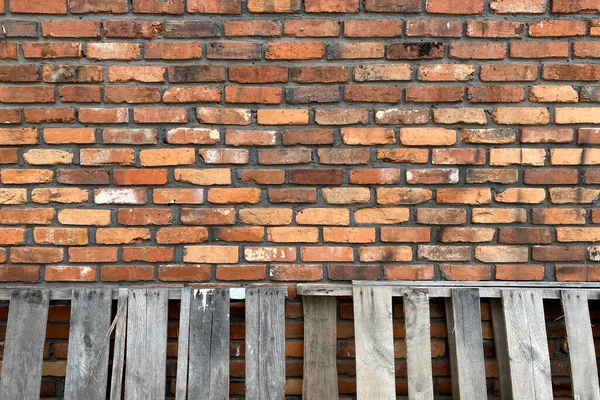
(288, 140)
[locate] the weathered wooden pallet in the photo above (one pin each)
(140, 344)
(519, 332)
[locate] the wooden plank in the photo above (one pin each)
(145, 369)
(120, 322)
(183, 344)
(527, 344)
(209, 345)
(418, 345)
(374, 342)
(501, 347)
(89, 342)
(265, 343)
(465, 340)
(24, 345)
(584, 370)
(320, 379)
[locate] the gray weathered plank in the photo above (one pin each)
(183, 344)
(265, 343)
(418, 345)
(374, 342)
(24, 345)
(465, 340)
(320, 379)
(145, 368)
(527, 345)
(89, 342)
(116, 381)
(584, 370)
(501, 349)
(209, 345)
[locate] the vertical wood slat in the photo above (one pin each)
(527, 344)
(320, 347)
(501, 347)
(89, 342)
(465, 341)
(116, 382)
(24, 345)
(374, 341)
(145, 369)
(183, 344)
(265, 343)
(418, 345)
(209, 345)
(584, 370)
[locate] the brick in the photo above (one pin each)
(126, 273)
(112, 51)
(571, 72)
(121, 235)
(301, 195)
(133, 29)
(327, 254)
(248, 28)
(381, 215)
(314, 94)
(577, 115)
(31, 216)
(492, 176)
(258, 74)
(60, 236)
(508, 72)
(455, 7)
(501, 254)
(193, 136)
(518, 6)
(144, 216)
(446, 72)
(243, 234)
(540, 50)
(403, 195)
(427, 137)
(177, 273)
(495, 29)
(557, 28)
(575, 6)
(294, 51)
(71, 29)
(372, 28)
(521, 195)
(93, 254)
(379, 94)
(521, 116)
(38, 7)
(26, 176)
(211, 254)
(495, 94)
(92, 6)
(463, 196)
(251, 94)
(572, 195)
(460, 116)
(557, 253)
(443, 253)
(20, 28)
(262, 177)
(327, 6)
(157, 7)
(547, 135)
(36, 255)
(432, 176)
(136, 74)
(399, 6)
(84, 217)
(59, 195)
(310, 28)
(406, 235)
(214, 6)
(119, 196)
(241, 272)
(352, 51)
(478, 50)
(64, 273)
(432, 94)
(412, 156)
(323, 216)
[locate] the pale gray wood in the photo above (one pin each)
(24, 345)
(374, 342)
(443, 289)
(501, 349)
(145, 369)
(209, 345)
(183, 344)
(465, 340)
(418, 345)
(584, 370)
(527, 345)
(116, 381)
(89, 342)
(320, 379)
(265, 343)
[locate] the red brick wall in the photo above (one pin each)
(288, 140)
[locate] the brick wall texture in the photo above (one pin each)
(288, 140)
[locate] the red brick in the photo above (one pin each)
(455, 7)
(38, 6)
